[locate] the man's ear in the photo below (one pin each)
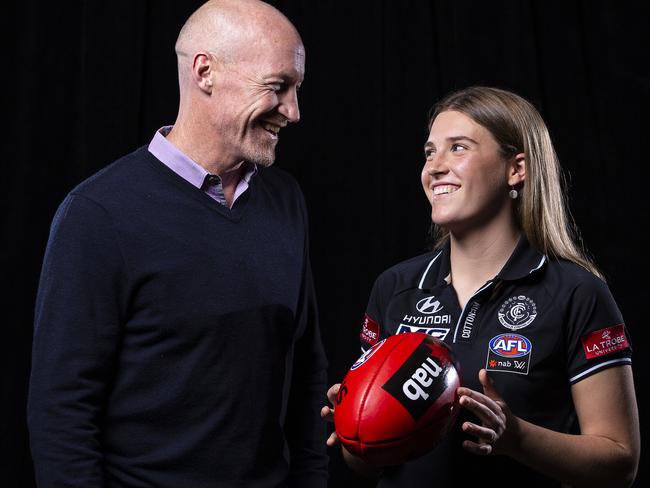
(202, 71)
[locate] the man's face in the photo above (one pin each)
(255, 96)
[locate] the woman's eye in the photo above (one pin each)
(457, 147)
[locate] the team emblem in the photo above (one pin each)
(517, 312)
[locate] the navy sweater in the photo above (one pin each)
(176, 341)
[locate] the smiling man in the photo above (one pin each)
(176, 338)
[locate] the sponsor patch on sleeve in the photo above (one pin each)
(604, 341)
(369, 331)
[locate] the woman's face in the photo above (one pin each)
(465, 178)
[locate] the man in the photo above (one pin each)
(176, 340)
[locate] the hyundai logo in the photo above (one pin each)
(428, 305)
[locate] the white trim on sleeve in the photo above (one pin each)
(601, 365)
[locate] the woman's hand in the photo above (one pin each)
(327, 413)
(497, 433)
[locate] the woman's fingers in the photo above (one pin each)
(486, 409)
(483, 433)
(478, 449)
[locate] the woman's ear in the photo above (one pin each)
(517, 169)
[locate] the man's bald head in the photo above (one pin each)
(226, 27)
(240, 64)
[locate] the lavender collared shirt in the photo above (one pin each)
(195, 174)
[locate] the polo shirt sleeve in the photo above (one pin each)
(596, 335)
(373, 327)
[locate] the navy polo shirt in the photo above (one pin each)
(538, 327)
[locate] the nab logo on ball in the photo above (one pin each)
(418, 383)
(510, 345)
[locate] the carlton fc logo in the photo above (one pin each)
(428, 305)
(517, 312)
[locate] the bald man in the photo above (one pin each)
(176, 339)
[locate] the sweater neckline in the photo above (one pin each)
(234, 214)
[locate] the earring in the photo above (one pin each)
(513, 193)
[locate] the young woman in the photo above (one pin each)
(548, 397)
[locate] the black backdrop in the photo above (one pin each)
(88, 81)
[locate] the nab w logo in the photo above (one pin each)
(428, 305)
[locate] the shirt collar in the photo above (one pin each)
(182, 164)
(523, 261)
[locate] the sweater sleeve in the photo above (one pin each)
(305, 430)
(76, 334)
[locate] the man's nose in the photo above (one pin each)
(289, 106)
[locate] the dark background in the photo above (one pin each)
(88, 81)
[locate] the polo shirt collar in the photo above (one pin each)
(523, 261)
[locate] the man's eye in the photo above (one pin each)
(428, 153)
(276, 87)
(457, 147)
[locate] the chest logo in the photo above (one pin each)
(428, 305)
(517, 312)
(510, 345)
(509, 353)
(437, 332)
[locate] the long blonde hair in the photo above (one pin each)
(541, 211)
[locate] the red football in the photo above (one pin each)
(398, 400)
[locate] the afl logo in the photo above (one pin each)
(428, 305)
(517, 312)
(510, 345)
(366, 355)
